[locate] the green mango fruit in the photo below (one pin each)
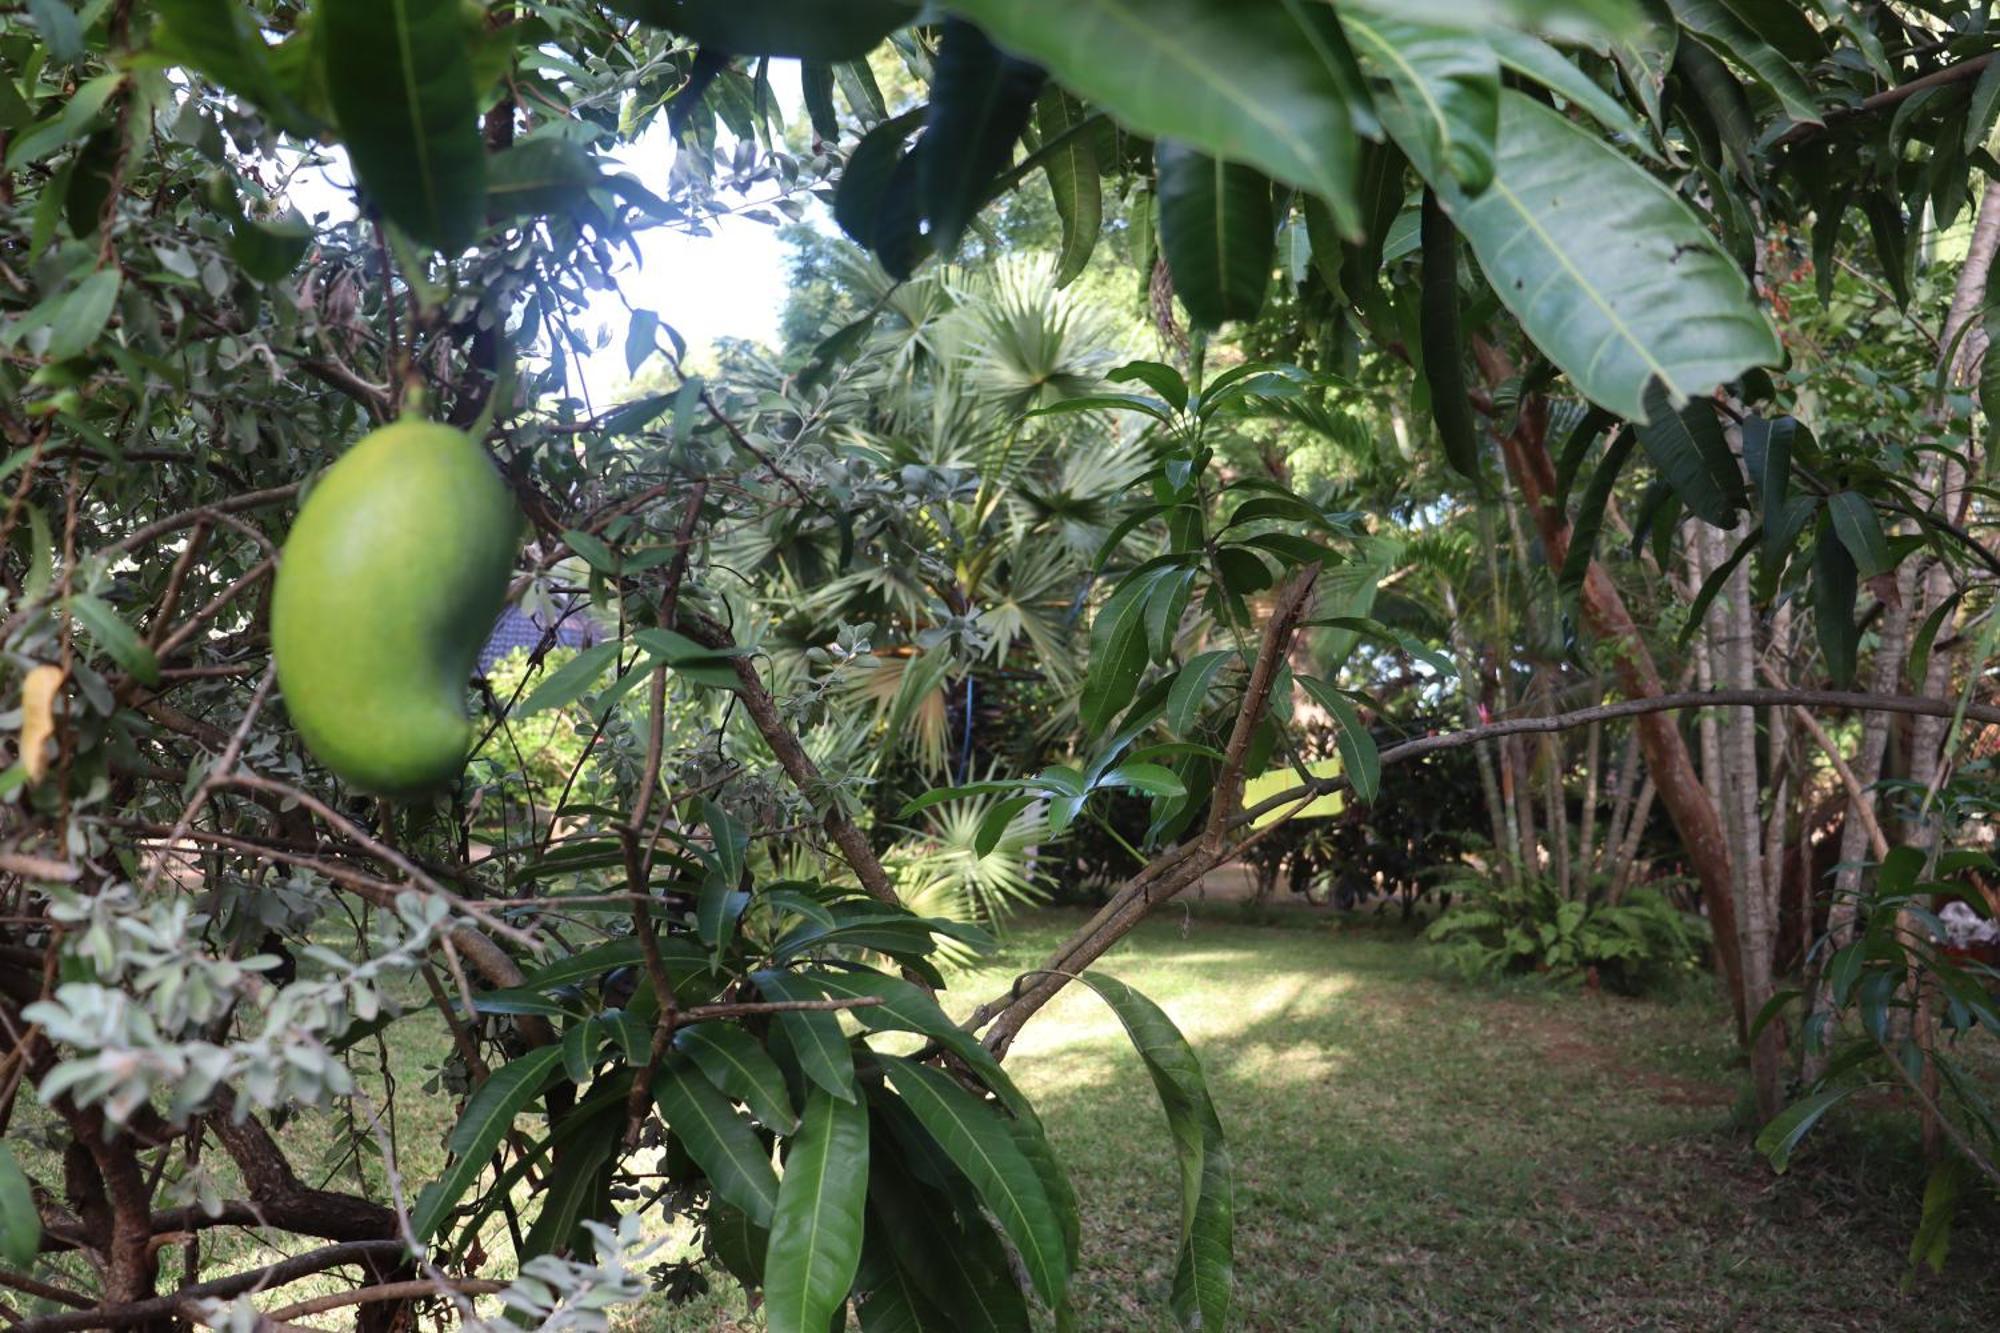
(387, 588)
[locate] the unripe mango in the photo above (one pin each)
(387, 588)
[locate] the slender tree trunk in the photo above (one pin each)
(1628, 848)
(1586, 834)
(1621, 807)
(1489, 781)
(1604, 611)
(1731, 629)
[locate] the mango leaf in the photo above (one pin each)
(973, 1135)
(1204, 1272)
(1689, 449)
(722, 1143)
(1778, 1139)
(1191, 686)
(1860, 531)
(1543, 63)
(815, 1246)
(1118, 649)
(1443, 349)
(399, 75)
(1268, 85)
(1446, 82)
(488, 1115)
(1217, 232)
(1147, 779)
(808, 29)
(1833, 590)
(1590, 510)
(20, 1221)
(570, 1192)
(570, 681)
(738, 1064)
(823, 1053)
(1717, 26)
(1360, 759)
(220, 39)
(1628, 290)
(1073, 180)
(980, 102)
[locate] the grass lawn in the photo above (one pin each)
(1411, 1152)
(1414, 1152)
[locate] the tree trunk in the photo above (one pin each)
(1667, 758)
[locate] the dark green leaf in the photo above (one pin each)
(980, 102)
(823, 1053)
(1446, 85)
(119, 641)
(1689, 449)
(1204, 1272)
(1779, 1138)
(1358, 753)
(1859, 530)
(20, 1221)
(815, 1246)
(572, 680)
(488, 1115)
(1072, 170)
(220, 39)
(972, 1133)
(1833, 591)
(399, 75)
(722, 1143)
(1443, 349)
(1217, 231)
(1590, 510)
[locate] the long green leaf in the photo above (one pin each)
(1860, 531)
(738, 1064)
(1072, 170)
(399, 75)
(1609, 273)
(1535, 58)
(576, 1182)
(1780, 1138)
(980, 102)
(118, 640)
(823, 1053)
(1204, 1274)
(977, 1140)
(815, 1246)
(1444, 350)
(1590, 510)
(1358, 752)
(1218, 232)
(1717, 26)
(1689, 449)
(1249, 83)
(1446, 82)
(1833, 590)
(488, 1115)
(722, 1143)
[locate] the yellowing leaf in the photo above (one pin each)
(38, 720)
(1266, 785)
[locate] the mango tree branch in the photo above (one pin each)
(1181, 866)
(792, 757)
(1173, 871)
